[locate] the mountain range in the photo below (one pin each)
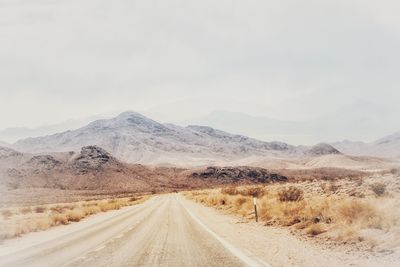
(134, 138)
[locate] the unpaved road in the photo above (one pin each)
(160, 231)
(169, 230)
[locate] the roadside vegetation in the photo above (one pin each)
(341, 211)
(19, 221)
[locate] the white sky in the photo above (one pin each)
(63, 59)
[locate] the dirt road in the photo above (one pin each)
(161, 231)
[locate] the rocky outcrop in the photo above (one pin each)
(91, 158)
(43, 162)
(239, 175)
(8, 153)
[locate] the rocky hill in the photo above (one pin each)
(93, 168)
(323, 149)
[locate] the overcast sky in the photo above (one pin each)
(63, 59)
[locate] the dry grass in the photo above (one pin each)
(45, 217)
(290, 194)
(339, 218)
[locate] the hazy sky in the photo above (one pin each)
(62, 59)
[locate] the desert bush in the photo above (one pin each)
(89, 210)
(314, 229)
(240, 201)
(42, 224)
(290, 194)
(75, 215)
(133, 199)
(59, 219)
(378, 188)
(359, 212)
(253, 191)
(25, 210)
(40, 209)
(230, 190)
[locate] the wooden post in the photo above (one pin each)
(255, 207)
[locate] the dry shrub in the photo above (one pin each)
(75, 215)
(89, 210)
(133, 199)
(315, 229)
(356, 211)
(240, 201)
(40, 209)
(25, 210)
(59, 219)
(230, 190)
(378, 188)
(290, 194)
(58, 208)
(6, 214)
(255, 191)
(43, 224)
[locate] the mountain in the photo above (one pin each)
(260, 127)
(134, 138)
(367, 121)
(323, 149)
(388, 146)
(16, 133)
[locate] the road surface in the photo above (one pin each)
(162, 231)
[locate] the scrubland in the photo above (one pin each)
(362, 211)
(15, 222)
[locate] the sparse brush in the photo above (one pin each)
(75, 215)
(40, 209)
(57, 208)
(43, 224)
(59, 219)
(230, 190)
(315, 229)
(253, 191)
(290, 194)
(339, 217)
(378, 188)
(25, 210)
(89, 210)
(239, 201)
(133, 199)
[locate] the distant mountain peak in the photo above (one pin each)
(323, 149)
